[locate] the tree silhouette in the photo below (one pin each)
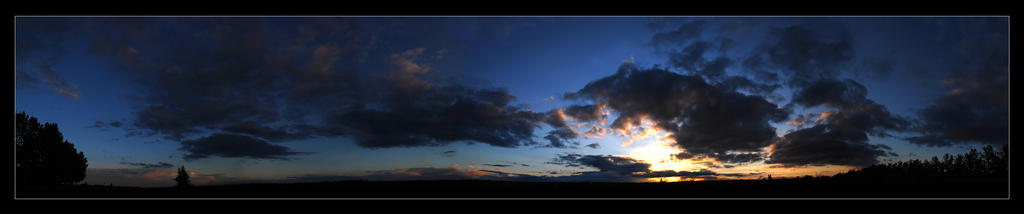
(986, 166)
(43, 156)
(183, 178)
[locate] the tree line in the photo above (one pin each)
(988, 165)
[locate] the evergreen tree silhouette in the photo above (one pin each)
(44, 157)
(183, 178)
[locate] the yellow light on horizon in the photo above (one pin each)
(672, 179)
(659, 153)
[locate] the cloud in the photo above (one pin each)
(234, 146)
(803, 53)
(840, 136)
(415, 110)
(801, 120)
(45, 74)
(37, 53)
(283, 80)
(735, 83)
(975, 108)
(586, 113)
(293, 132)
(821, 145)
(855, 111)
(613, 164)
(807, 59)
(623, 169)
(149, 165)
(681, 35)
(97, 124)
(440, 116)
(700, 118)
(691, 60)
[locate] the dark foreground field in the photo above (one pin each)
(506, 189)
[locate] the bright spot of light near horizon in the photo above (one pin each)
(658, 152)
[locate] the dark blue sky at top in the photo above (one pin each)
(76, 71)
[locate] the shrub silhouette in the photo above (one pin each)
(183, 178)
(43, 156)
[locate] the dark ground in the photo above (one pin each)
(506, 189)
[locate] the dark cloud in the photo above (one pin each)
(803, 54)
(856, 113)
(822, 144)
(701, 118)
(619, 169)
(97, 124)
(613, 164)
(723, 157)
(804, 119)
(562, 137)
(43, 73)
(594, 145)
(688, 174)
(415, 110)
(690, 57)
(291, 132)
(440, 116)
(584, 112)
(681, 35)
(289, 79)
(234, 146)
(976, 107)
(691, 60)
(808, 59)
(832, 93)
(734, 83)
(37, 53)
(497, 165)
(149, 165)
(840, 136)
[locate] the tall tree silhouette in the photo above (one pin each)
(183, 178)
(43, 156)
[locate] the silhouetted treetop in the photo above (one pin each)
(183, 178)
(973, 166)
(43, 156)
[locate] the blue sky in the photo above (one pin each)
(114, 69)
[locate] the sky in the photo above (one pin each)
(618, 99)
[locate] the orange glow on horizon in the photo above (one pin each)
(672, 179)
